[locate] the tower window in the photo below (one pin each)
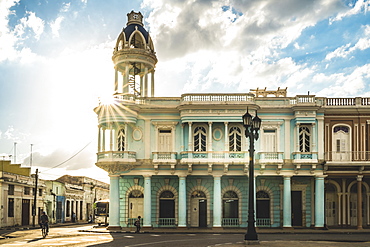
(121, 140)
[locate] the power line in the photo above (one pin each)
(69, 157)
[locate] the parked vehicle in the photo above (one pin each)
(101, 212)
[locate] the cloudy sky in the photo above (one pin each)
(55, 61)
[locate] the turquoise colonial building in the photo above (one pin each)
(183, 161)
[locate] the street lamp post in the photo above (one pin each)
(252, 126)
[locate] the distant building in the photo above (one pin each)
(80, 195)
(17, 195)
(183, 161)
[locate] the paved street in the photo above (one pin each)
(86, 235)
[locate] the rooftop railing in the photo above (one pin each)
(217, 97)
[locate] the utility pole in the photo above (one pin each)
(35, 198)
(15, 153)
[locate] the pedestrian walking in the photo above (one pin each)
(137, 224)
(73, 217)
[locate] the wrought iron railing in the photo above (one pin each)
(230, 222)
(305, 155)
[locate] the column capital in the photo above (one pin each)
(210, 123)
(147, 176)
(286, 177)
(359, 178)
(182, 176)
(217, 176)
(226, 123)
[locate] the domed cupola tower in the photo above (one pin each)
(134, 59)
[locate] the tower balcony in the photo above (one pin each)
(117, 156)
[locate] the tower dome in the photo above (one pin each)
(134, 58)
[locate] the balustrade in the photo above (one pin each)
(114, 155)
(263, 222)
(166, 222)
(348, 156)
(230, 222)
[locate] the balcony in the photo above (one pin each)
(348, 156)
(117, 156)
(215, 157)
(164, 158)
(347, 101)
(270, 158)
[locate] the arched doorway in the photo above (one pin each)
(166, 209)
(135, 206)
(263, 209)
(198, 214)
(230, 209)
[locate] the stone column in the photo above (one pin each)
(209, 137)
(115, 80)
(114, 220)
(99, 139)
(182, 201)
(359, 202)
(152, 84)
(287, 203)
(190, 141)
(126, 75)
(103, 143)
(147, 202)
(217, 202)
(319, 202)
(146, 82)
(226, 136)
(344, 205)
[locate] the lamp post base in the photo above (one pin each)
(251, 242)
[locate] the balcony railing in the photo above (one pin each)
(348, 156)
(116, 155)
(166, 222)
(214, 155)
(164, 155)
(272, 156)
(305, 155)
(230, 222)
(263, 222)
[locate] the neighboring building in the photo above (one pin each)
(183, 161)
(54, 200)
(347, 155)
(80, 195)
(17, 188)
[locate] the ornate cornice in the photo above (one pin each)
(115, 168)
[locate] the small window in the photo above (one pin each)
(164, 131)
(11, 207)
(27, 190)
(11, 189)
(269, 131)
(40, 192)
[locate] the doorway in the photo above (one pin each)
(198, 215)
(297, 208)
(25, 212)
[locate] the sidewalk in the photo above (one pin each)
(229, 231)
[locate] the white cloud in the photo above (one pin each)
(361, 5)
(31, 21)
(345, 50)
(342, 85)
(55, 26)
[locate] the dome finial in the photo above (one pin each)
(135, 18)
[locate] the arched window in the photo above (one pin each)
(200, 139)
(166, 208)
(121, 140)
(263, 208)
(235, 139)
(305, 138)
(341, 143)
(137, 41)
(136, 194)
